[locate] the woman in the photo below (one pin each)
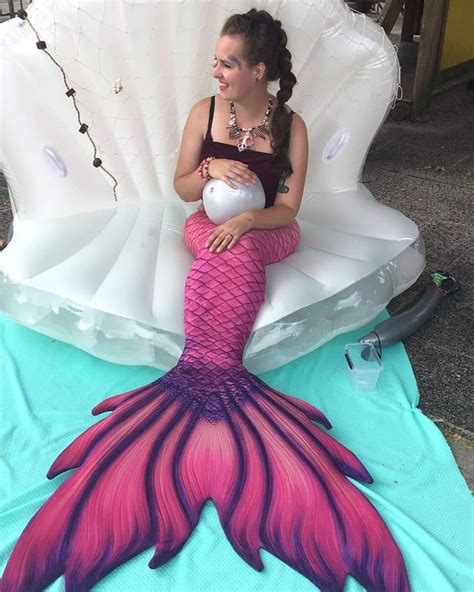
(208, 429)
(250, 53)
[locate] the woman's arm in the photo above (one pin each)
(287, 203)
(187, 182)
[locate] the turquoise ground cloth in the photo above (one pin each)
(48, 389)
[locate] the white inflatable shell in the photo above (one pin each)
(97, 256)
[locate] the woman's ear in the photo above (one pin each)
(260, 70)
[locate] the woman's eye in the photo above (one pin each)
(215, 62)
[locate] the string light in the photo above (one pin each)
(71, 93)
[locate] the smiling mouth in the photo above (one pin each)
(223, 85)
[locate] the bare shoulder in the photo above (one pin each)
(198, 116)
(299, 133)
(201, 106)
(298, 125)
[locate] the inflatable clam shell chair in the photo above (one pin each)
(97, 257)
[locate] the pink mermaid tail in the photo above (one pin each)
(208, 429)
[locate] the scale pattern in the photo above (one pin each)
(208, 429)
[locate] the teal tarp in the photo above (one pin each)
(48, 389)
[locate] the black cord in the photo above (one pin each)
(83, 128)
(379, 345)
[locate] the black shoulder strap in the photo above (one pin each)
(211, 116)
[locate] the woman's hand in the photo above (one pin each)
(226, 235)
(231, 170)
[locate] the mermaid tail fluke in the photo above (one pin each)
(145, 471)
(208, 429)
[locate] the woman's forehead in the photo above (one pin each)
(229, 48)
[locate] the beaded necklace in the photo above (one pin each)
(260, 131)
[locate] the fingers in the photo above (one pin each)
(220, 242)
(211, 239)
(221, 239)
(241, 173)
(228, 181)
(225, 243)
(238, 172)
(233, 242)
(231, 171)
(216, 237)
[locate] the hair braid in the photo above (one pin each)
(265, 41)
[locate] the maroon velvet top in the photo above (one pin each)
(259, 162)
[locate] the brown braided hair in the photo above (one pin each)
(265, 41)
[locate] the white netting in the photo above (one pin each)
(157, 55)
(97, 256)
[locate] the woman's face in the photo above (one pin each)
(234, 75)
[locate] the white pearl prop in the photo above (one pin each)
(221, 202)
